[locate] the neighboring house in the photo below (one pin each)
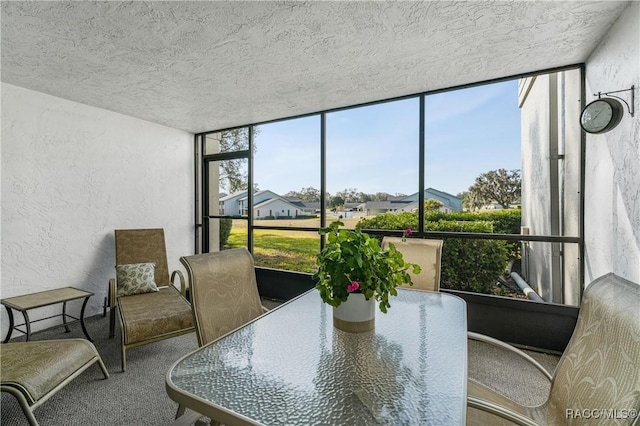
(266, 204)
(275, 208)
(379, 207)
(450, 203)
(258, 198)
(306, 208)
(229, 205)
(310, 208)
(349, 207)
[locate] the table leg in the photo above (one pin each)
(64, 317)
(27, 324)
(10, 312)
(84, 329)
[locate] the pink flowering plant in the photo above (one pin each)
(352, 262)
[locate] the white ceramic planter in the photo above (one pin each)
(356, 315)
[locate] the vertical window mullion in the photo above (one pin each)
(250, 192)
(323, 174)
(421, 165)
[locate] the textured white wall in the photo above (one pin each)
(71, 174)
(569, 132)
(536, 202)
(612, 194)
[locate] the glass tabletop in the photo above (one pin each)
(292, 367)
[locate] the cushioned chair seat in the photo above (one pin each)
(145, 317)
(154, 314)
(34, 371)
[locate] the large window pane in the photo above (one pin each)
(228, 187)
(468, 133)
(288, 250)
(372, 160)
(229, 233)
(287, 173)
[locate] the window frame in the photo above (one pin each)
(202, 186)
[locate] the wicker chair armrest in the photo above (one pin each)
(183, 286)
(495, 342)
(499, 411)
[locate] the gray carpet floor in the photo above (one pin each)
(138, 397)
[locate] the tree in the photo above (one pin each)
(362, 197)
(380, 196)
(349, 195)
(307, 195)
(336, 201)
(432, 204)
(496, 186)
(233, 173)
(469, 201)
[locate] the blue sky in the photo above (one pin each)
(375, 148)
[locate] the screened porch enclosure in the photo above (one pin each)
(403, 149)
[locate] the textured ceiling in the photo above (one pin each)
(201, 66)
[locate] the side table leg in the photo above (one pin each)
(64, 317)
(10, 312)
(27, 324)
(84, 328)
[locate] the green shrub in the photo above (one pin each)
(470, 264)
(225, 231)
(397, 221)
(504, 222)
(467, 264)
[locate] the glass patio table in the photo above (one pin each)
(292, 367)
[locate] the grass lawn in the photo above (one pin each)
(295, 250)
(288, 250)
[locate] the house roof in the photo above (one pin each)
(233, 195)
(262, 191)
(394, 203)
(312, 205)
(441, 193)
(427, 192)
(273, 200)
(200, 66)
(380, 205)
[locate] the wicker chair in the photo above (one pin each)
(34, 371)
(224, 292)
(426, 253)
(597, 380)
(147, 317)
(224, 296)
